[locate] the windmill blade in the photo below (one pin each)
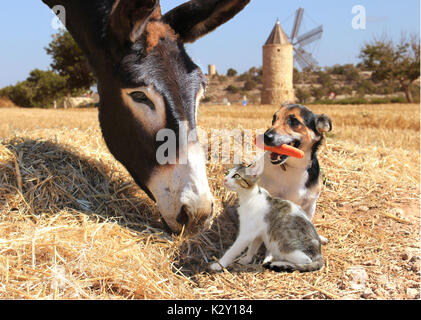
(308, 57)
(301, 62)
(297, 23)
(310, 36)
(303, 57)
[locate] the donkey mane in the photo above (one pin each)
(155, 30)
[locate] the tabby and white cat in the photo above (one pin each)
(291, 240)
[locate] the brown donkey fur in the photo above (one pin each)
(147, 82)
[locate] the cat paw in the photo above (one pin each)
(215, 267)
(245, 260)
(268, 259)
(323, 240)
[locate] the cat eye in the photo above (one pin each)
(141, 97)
(226, 173)
(293, 122)
(236, 176)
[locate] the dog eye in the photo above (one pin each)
(293, 122)
(141, 97)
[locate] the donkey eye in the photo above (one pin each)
(293, 122)
(141, 97)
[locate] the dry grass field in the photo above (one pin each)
(73, 225)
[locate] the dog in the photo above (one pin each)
(297, 180)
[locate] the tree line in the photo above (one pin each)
(394, 67)
(70, 75)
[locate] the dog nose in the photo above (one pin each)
(269, 137)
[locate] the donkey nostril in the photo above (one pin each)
(183, 217)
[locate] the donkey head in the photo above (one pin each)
(147, 83)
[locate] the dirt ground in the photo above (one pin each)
(73, 225)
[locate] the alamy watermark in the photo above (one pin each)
(359, 22)
(220, 146)
(59, 21)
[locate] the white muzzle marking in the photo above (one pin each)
(178, 185)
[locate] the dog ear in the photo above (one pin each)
(128, 18)
(287, 103)
(323, 123)
(196, 18)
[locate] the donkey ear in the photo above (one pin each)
(128, 17)
(196, 18)
(323, 123)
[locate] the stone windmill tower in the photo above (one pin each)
(278, 66)
(279, 54)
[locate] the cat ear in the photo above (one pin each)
(255, 170)
(323, 123)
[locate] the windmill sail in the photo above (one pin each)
(297, 23)
(301, 62)
(304, 59)
(310, 36)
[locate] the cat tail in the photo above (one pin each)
(284, 266)
(315, 265)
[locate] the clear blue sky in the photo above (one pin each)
(25, 30)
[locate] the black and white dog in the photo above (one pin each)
(297, 180)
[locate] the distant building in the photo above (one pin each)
(211, 70)
(278, 67)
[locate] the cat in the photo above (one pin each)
(291, 240)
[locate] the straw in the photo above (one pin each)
(74, 225)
